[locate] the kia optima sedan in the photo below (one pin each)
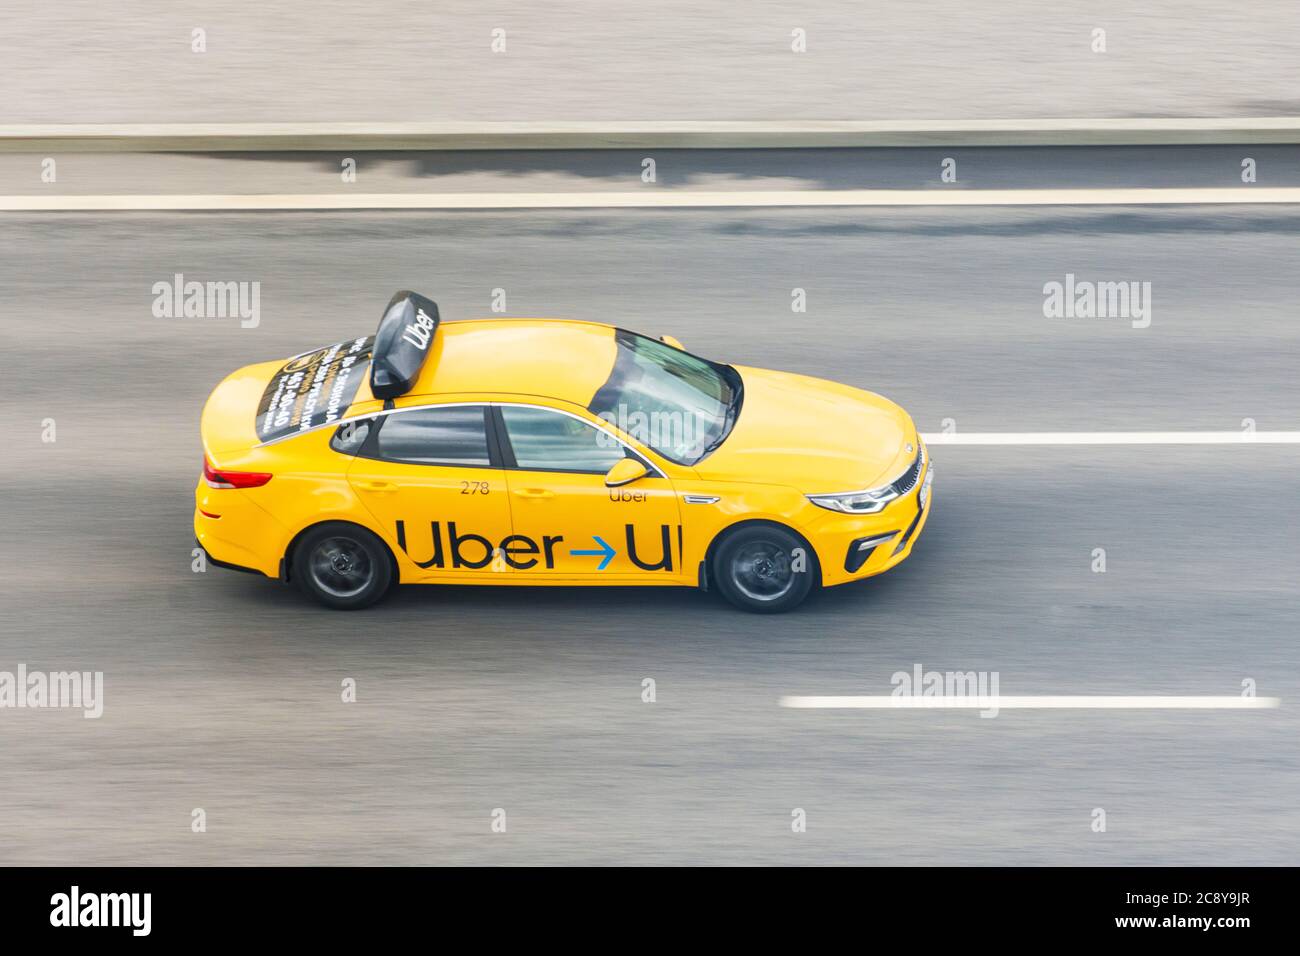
(536, 452)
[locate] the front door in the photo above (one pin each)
(566, 523)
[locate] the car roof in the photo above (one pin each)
(557, 358)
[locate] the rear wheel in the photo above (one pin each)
(764, 568)
(342, 566)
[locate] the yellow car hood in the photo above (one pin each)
(812, 435)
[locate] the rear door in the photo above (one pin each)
(571, 524)
(430, 478)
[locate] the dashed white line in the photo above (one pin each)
(889, 702)
(1112, 438)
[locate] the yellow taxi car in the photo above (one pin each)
(551, 452)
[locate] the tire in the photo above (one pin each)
(755, 569)
(343, 566)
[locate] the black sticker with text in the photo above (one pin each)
(312, 389)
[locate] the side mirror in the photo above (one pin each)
(671, 340)
(624, 472)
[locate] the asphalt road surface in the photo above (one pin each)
(222, 691)
(81, 61)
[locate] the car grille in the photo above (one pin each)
(907, 481)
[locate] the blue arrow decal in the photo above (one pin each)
(605, 551)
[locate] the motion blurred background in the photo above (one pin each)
(223, 691)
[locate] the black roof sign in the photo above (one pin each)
(402, 343)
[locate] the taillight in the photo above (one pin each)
(233, 479)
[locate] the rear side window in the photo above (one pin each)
(350, 436)
(455, 435)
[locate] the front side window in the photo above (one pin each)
(455, 435)
(545, 440)
(677, 403)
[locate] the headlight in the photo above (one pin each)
(857, 502)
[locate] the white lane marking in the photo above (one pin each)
(889, 702)
(654, 198)
(1112, 438)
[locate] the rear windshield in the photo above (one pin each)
(313, 389)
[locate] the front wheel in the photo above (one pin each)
(342, 566)
(764, 568)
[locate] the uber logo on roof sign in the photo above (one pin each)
(419, 333)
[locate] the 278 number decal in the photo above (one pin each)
(475, 488)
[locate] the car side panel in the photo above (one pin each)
(310, 485)
(703, 521)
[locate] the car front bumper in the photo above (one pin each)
(851, 548)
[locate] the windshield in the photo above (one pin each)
(679, 404)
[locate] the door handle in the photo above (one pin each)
(534, 493)
(377, 486)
